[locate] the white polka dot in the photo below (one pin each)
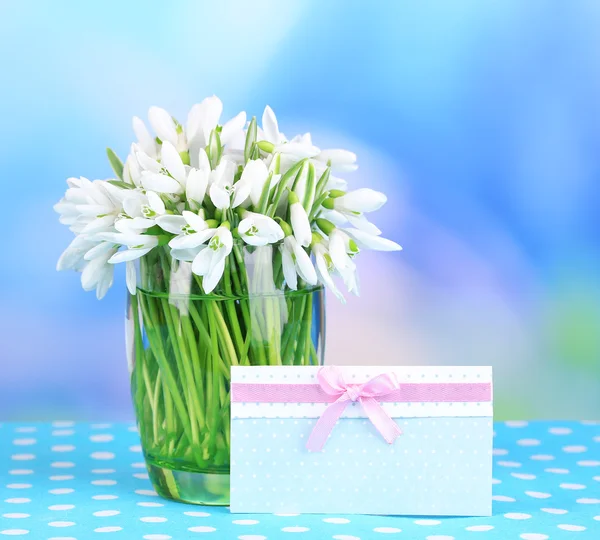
(427, 522)
(597, 478)
(244, 521)
(14, 532)
(103, 471)
(101, 437)
(26, 429)
(387, 530)
(102, 455)
(103, 482)
(62, 464)
(156, 505)
(542, 457)
(496, 481)
(157, 537)
(572, 486)
(61, 523)
(141, 476)
(63, 448)
(554, 511)
(139, 465)
(509, 463)
(133, 429)
(574, 528)
(18, 486)
(588, 463)
(17, 500)
(16, 516)
(588, 501)
(295, 529)
(61, 477)
(61, 507)
(503, 498)
(19, 472)
(108, 529)
(202, 529)
(538, 494)
(337, 521)
(24, 442)
(517, 515)
(574, 449)
(522, 476)
(153, 519)
(479, 528)
(61, 491)
(528, 442)
(516, 423)
(63, 432)
(148, 492)
(557, 471)
(560, 431)
(499, 452)
(106, 513)
(135, 448)
(22, 457)
(104, 497)
(534, 536)
(63, 424)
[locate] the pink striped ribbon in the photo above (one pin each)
(332, 388)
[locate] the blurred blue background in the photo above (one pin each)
(479, 119)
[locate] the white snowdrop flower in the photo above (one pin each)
(259, 230)
(193, 232)
(354, 204)
(300, 222)
(210, 262)
(339, 160)
(257, 173)
(140, 211)
(270, 127)
(98, 273)
(296, 262)
(163, 125)
(145, 139)
(202, 119)
(371, 241)
(325, 267)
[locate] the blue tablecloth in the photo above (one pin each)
(78, 481)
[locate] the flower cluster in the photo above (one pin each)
(198, 187)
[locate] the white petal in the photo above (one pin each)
(362, 223)
(172, 162)
(300, 224)
(189, 241)
(161, 183)
(156, 203)
(270, 126)
(304, 266)
(341, 160)
(172, 224)
(288, 266)
(186, 255)
(232, 127)
(99, 224)
(337, 251)
(256, 173)
(201, 263)
(325, 277)
(212, 278)
(197, 182)
(131, 277)
(146, 140)
(104, 283)
(219, 197)
(371, 241)
(194, 221)
(241, 193)
(101, 249)
(202, 119)
(203, 161)
(298, 150)
(163, 125)
(360, 200)
(129, 255)
(93, 272)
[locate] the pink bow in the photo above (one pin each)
(332, 382)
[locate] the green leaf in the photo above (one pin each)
(261, 207)
(155, 230)
(121, 184)
(322, 182)
(317, 206)
(309, 194)
(115, 163)
(281, 187)
(215, 149)
(250, 139)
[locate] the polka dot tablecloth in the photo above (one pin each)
(66, 481)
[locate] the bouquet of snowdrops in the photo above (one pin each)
(193, 189)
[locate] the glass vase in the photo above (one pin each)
(181, 345)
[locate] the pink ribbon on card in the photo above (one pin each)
(332, 382)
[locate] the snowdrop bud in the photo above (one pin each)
(214, 148)
(316, 238)
(325, 225)
(361, 200)
(212, 223)
(328, 203)
(285, 226)
(335, 193)
(266, 146)
(300, 221)
(185, 157)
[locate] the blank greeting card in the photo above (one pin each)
(361, 439)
